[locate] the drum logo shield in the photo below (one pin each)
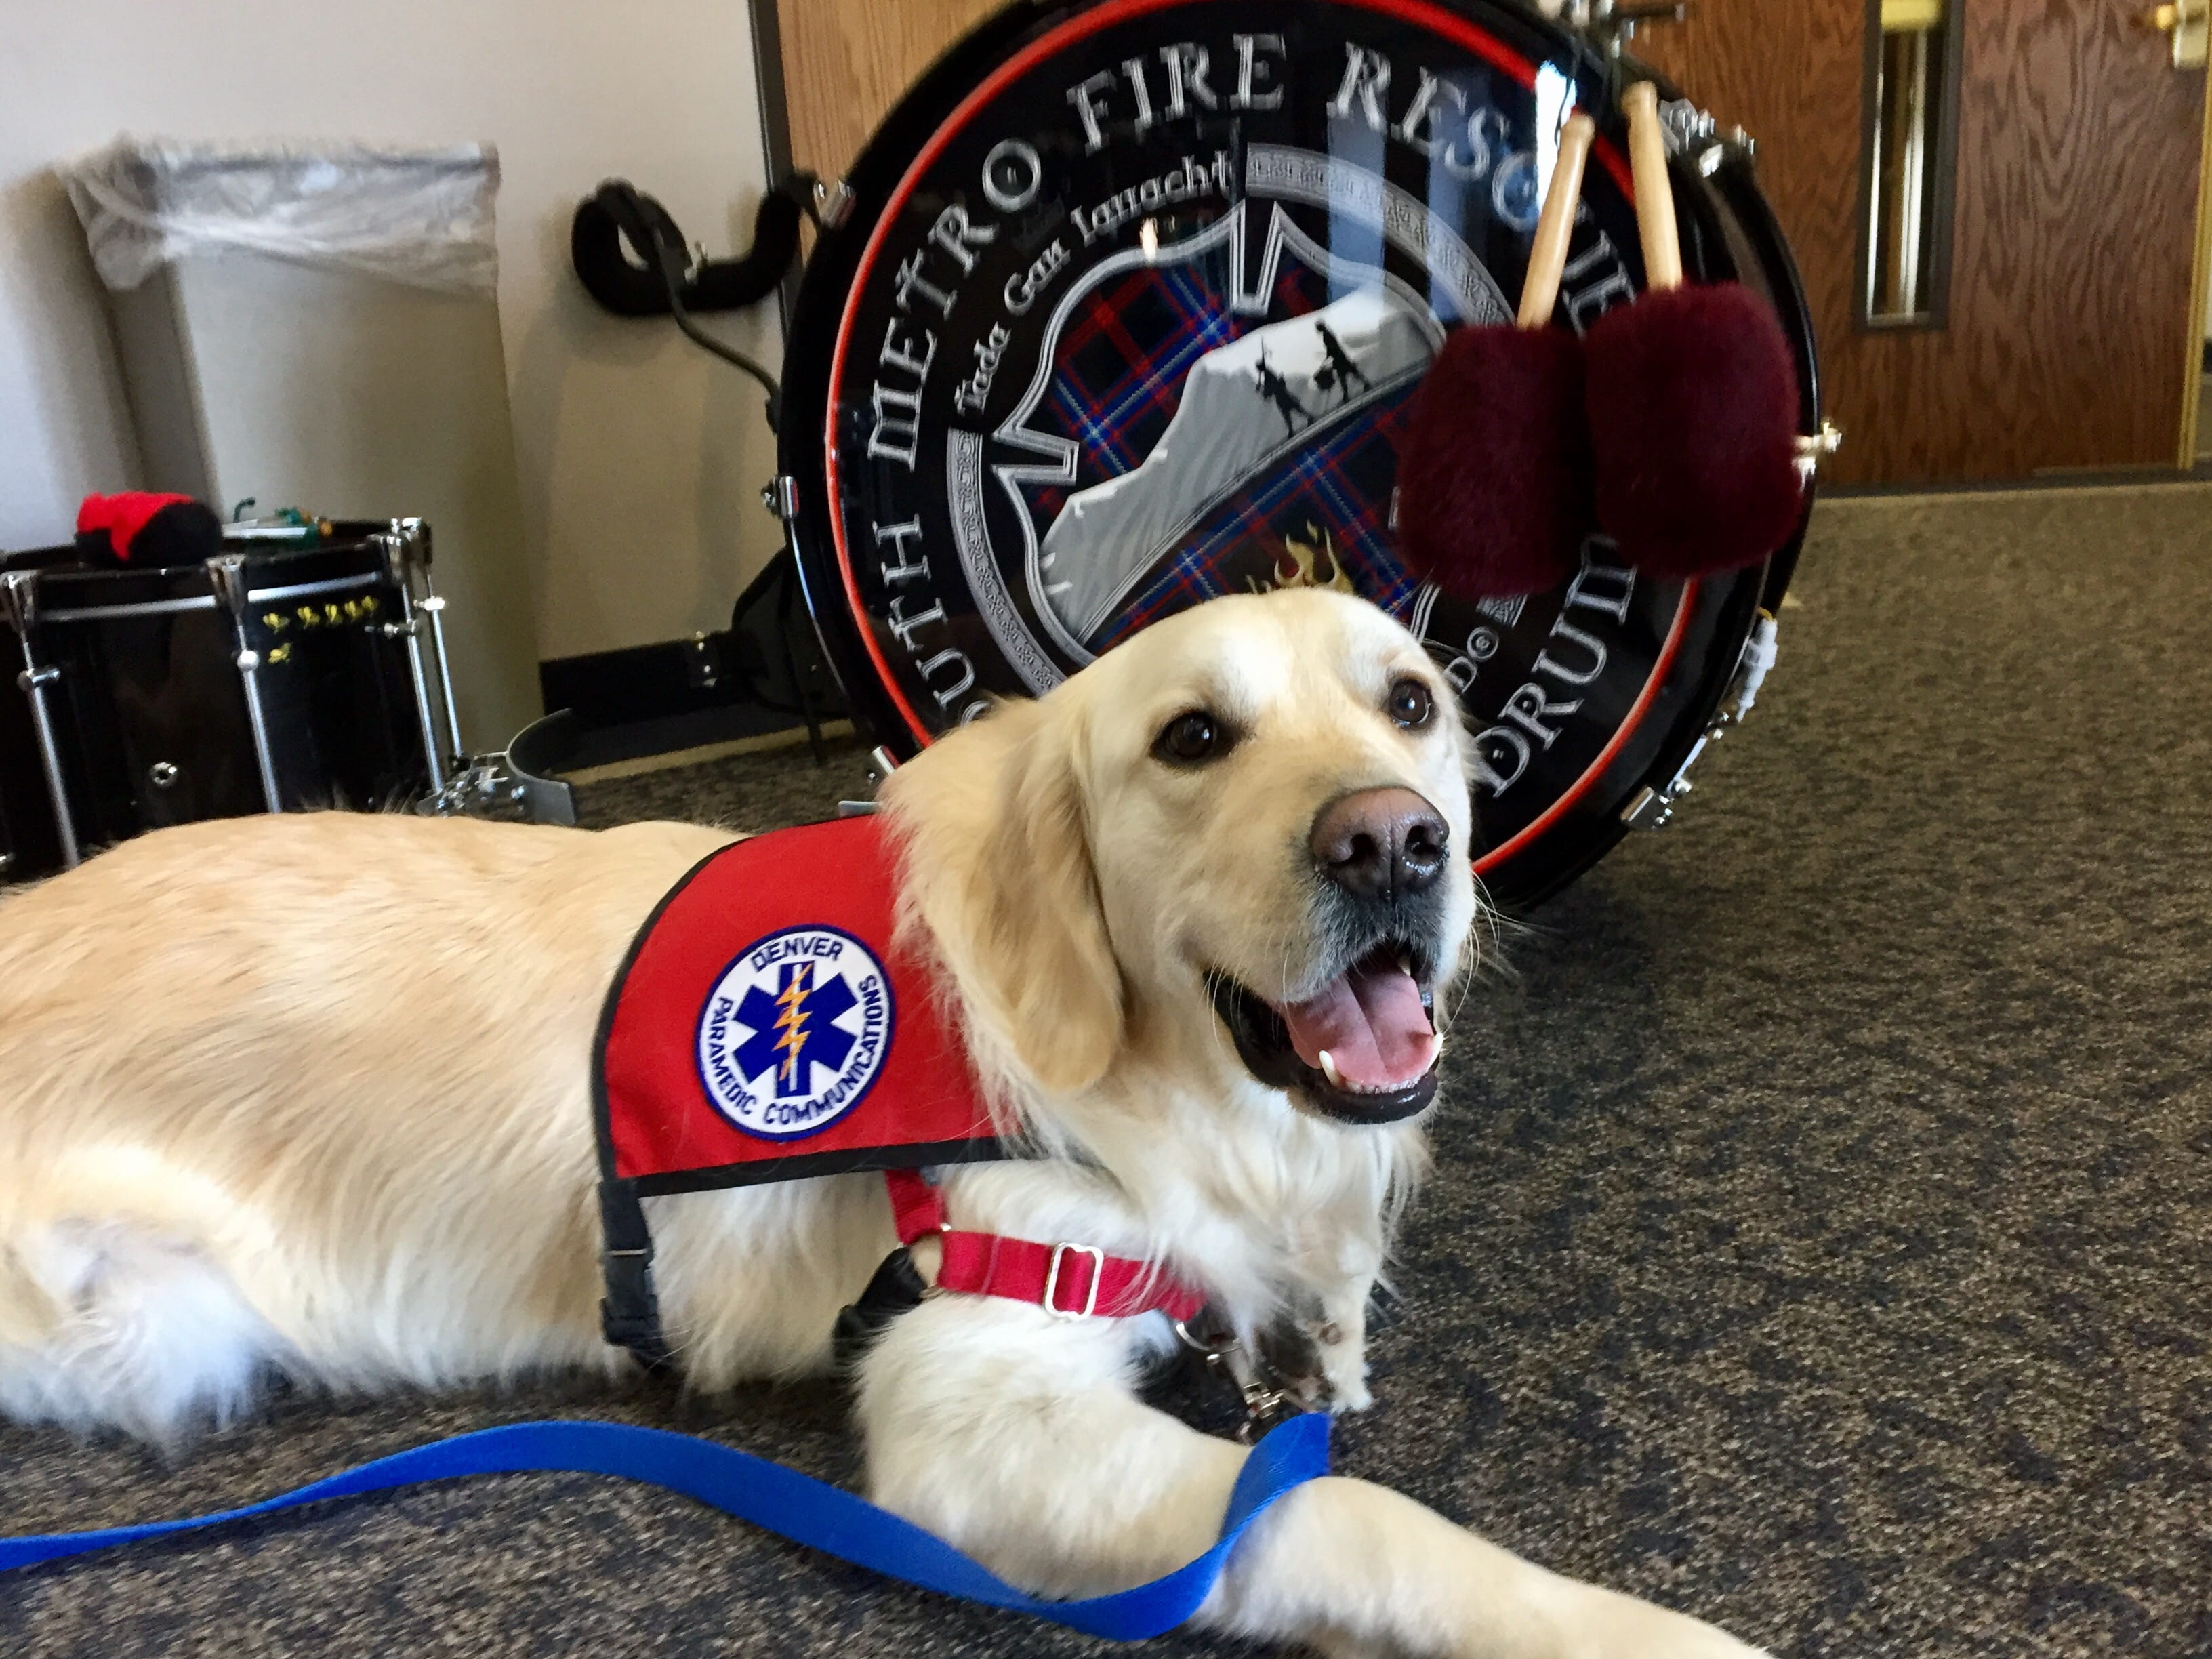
(795, 1032)
(1218, 414)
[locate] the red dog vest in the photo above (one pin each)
(762, 1028)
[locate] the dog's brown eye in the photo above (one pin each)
(1411, 705)
(1190, 739)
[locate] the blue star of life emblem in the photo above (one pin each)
(795, 1032)
(791, 1029)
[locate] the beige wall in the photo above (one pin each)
(641, 460)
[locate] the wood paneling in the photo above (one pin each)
(846, 62)
(2075, 222)
(2075, 231)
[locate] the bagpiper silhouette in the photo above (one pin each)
(1277, 390)
(1341, 370)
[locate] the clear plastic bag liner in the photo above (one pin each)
(420, 216)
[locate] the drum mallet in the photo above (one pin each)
(1494, 478)
(1693, 400)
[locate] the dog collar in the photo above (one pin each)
(1072, 1281)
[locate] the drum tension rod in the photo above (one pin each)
(19, 596)
(226, 574)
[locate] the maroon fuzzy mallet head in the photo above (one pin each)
(1692, 403)
(1693, 399)
(1494, 475)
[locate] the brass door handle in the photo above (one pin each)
(2186, 21)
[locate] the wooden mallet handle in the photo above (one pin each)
(1548, 259)
(1655, 193)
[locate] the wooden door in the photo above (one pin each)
(846, 62)
(2071, 341)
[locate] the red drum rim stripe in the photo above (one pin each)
(1449, 24)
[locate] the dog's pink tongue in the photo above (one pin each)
(1372, 1024)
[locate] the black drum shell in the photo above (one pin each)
(149, 710)
(1729, 232)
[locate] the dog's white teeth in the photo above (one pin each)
(1406, 963)
(1328, 1070)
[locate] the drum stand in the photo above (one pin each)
(504, 784)
(516, 783)
(19, 594)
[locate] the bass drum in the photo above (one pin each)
(1129, 313)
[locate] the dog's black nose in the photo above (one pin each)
(1381, 844)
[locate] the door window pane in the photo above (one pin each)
(1907, 196)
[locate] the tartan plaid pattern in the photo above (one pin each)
(1118, 375)
(1340, 487)
(1119, 367)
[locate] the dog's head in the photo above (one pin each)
(1239, 841)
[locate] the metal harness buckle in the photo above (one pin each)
(1052, 1281)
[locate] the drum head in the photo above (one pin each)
(1130, 314)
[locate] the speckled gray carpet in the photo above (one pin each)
(1821, 1240)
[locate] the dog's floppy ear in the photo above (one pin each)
(998, 869)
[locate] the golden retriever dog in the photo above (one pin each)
(310, 1094)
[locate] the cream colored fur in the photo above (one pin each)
(310, 1094)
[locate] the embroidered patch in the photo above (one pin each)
(795, 1032)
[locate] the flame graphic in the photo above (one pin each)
(1301, 564)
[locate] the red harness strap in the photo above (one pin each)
(1073, 1281)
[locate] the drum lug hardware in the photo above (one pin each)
(1649, 810)
(1686, 126)
(18, 598)
(1614, 23)
(833, 204)
(881, 764)
(163, 774)
(1654, 808)
(780, 496)
(1811, 452)
(1693, 132)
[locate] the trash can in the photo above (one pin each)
(317, 326)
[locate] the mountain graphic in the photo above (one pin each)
(1243, 405)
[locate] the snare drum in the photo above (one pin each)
(1127, 313)
(267, 679)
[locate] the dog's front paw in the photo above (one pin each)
(1340, 1346)
(1602, 1625)
(1347, 1385)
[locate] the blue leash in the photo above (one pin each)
(778, 1500)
